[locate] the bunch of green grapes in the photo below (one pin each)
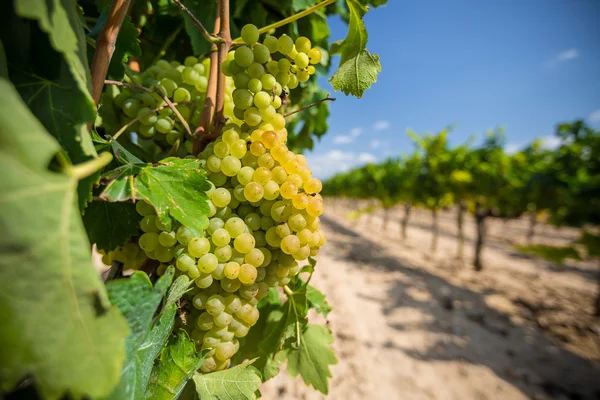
(185, 85)
(264, 203)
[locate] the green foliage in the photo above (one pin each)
(358, 68)
(138, 300)
(177, 364)
(109, 225)
(316, 300)
(240, 382)
(555, 254)
(48, 65)
(46, 254)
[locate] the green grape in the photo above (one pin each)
(305, 235)
(148, 224)
(168, 85)
(221, 197)
(229, 285)
(163, 226)
(272, 67)
(301, 60)
(283, 230)
(144, 208)
(235, 226)
(266, 160)
(224, 213)
(131, 107)
(257, 149)
(147, 131)
(207, 263)
(303, 76)
(241, 80)
(293, 83)
(198, 246)
(205, 320)
(225, 68)
(224, 351)
(255, 257)
(185, 262)
(215, 305)
(284, 65)
(249, 34)
(231, 270)
(262, 100)
(231, 165)
(266, 223)
(220, 237)
(253, 192)
(211, 341)
(285, 44)
(288, 189)
(303, 44)
(281, 211)
(267, 113)
(261, 53)
(217, 179)
(268, 81)
(302, 253)
(290, 244)
(255, 85)
(314, 55)
(175, 76)
(204, 281)
(181, 95)
(315, 207)
(199, 302)
(244, 56)
(223, 253)
(244, 243)
(223, 320)
(283, 78)
(215, 223)
(270, 43)
(277, 90)
(242, 98)
(230, 136)
(221, 149)
(261, 175)
(242, 331)
(164, 254)
(311, 70)
(164, 124)
(232, 304)
(148, 241)
(245, 174)
(167, 239)
(252, 116)
(249, 292)
(278, 123)
(252, 220)
(201, 84)
(297, 222)
(148, 117)
(256, 70)
(238, 149)
(190, 61)
(247, 274)
(184, 110)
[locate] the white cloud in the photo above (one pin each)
(346, 139)
(343, 139)
(563, 56)
(325, 165)
(566, 55)
(594, 116)
(512, 148)
(550, 142)
(381, 125)
(375, 144)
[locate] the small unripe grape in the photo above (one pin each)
(314, 55)
(220, 237)
(235, 226)
(244, 56)
(271, 43)
(303, 76)
(303, 44)
(198, 246)
(262, 100)
(256, 70)
(148, 241)
(244, 243)
(249, 34)
(271, 189)
(261, 53)
(221, 197)
(207, 263)
(268, 81)
(252, 116)
(221, 149)
(285, 44)
(231, 165)
(238, 149)
(253, 192)
(301, 60)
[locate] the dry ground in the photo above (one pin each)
(412, 324)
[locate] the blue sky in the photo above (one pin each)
(522, 64)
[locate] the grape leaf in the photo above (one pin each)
(46, 276)
(3, 65)
(356, 75)
(312, 358)
(176, 187)
(358, 68)
(205, 11)
(299, 5)
(138, 300)
(316, 299)
(127, 45)
(110, 225)
(49, 68)
(177, 364)
(240, 382)
(108, 113)
(178, 289)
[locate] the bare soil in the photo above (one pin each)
(412, 323)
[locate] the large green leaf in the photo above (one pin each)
(205, 11)
(48, 65)
(58, 325)
(313, 357)
(316, 299)
(358, 68)
(177, 364)
(139, 301)
(110, 225)
(357, 74)
(175, 187)
(240, 383)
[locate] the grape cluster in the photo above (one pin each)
(264, 203)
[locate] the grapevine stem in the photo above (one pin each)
(129, 85)
(225, 34)
(205, 33)
(288, 291)
(211, 91)
(87, 168)
(105, 45)
(293, 18)
(310, 105)
(136, 119)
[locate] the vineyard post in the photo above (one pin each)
(461, 230)
(404, 223)
(480, 216)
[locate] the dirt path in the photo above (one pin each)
(414, 325)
